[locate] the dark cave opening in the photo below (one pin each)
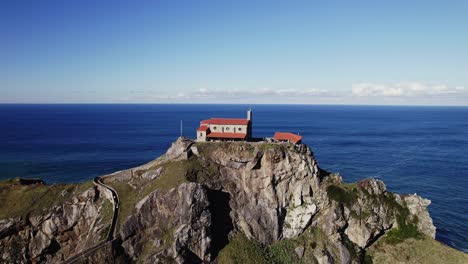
(221, 219)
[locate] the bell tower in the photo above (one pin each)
(249, 125)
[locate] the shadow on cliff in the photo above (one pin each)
(221, 220)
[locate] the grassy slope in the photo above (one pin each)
(20, 200)
(106, 215)
(242, 250)
(426, 250)
(173, 174)
(128, 199)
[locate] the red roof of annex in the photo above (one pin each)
(287, 136)
(225, 121)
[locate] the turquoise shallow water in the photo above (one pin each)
(420, 150)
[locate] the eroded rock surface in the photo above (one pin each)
(275, 189)
(53, 237)
(418, 207)
(265, 191)
(173, 224)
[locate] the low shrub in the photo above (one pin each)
(342, 195)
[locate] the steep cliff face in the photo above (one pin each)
(194, 202)
(274, 190)
(278, 191)
(268, 192)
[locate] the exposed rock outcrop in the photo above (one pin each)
(179, 150)
(418, 207)
(53, 237)
(172, 224)
(183, 206)
(275, 188)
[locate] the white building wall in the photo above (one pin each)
(201, 136)
(228, 128)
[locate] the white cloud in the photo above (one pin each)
(206, 95)
(406, 89)
(403, 93)
(267, 92)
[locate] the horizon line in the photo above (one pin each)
(179, 103)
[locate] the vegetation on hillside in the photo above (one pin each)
(106, 215)
(348, 194)
(173, 173)
(423, 250)
(20, 200)
(342, 194)
(238, 148)
(407, 227)
(242, 250)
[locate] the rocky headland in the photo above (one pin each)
(225, 202)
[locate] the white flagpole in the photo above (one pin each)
(181, 128)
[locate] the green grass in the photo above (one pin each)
(127, 199)
(407, 228)
(348, 194)
(176, 172)
(19, 200)
(314, 241)
(266, 146)
(360, 215)
(424, 250)
(390, 201)
(407, 224)
(243, 149)
(106, 214)
(104, 232)
(81, 187)
(342, 194)
(207, 148)
(168, 237)
(172, 175)
(368, 259)
(282, 252)
(244, 251)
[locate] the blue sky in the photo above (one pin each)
(319, 52)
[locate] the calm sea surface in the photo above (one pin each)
(420, 150)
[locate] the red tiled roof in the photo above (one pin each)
(226, 135)
(225, 121)
(203, 128)
(287, 136)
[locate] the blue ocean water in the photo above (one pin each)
(420, 150)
